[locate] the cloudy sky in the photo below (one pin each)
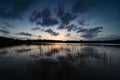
(60, 19)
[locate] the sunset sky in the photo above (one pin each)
(60, 19)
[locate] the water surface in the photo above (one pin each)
(60, 61)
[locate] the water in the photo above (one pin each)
(60, 61)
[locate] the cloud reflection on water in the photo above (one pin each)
(60, 61)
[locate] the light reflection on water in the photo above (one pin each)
(57, 59)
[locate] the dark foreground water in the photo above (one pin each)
(59, 61)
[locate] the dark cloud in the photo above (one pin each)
(81, 29)
(65, 17)
(14, 9)
(35, 15)
(71, 27)
(50, 31)
(9, 25)
(39, 36)
(83, 22)
(4, 31)
(82, 6)
(68, 35)
(90, 33)
(66, 26)
(37, 29)
(3, 27)
(75, 28)
(46, 17)
(24, 34)
(49, 17)
(61, 26)
(48, 21)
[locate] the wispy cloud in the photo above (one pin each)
(110, 37)
(90, 33)
(37, 29)
(5, 31)
(24, 34)
(50, 31)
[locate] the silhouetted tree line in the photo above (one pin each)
(4, 41)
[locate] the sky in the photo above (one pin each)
(60, 19)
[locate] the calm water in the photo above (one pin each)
(59, 61)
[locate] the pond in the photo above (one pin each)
(60, 61)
